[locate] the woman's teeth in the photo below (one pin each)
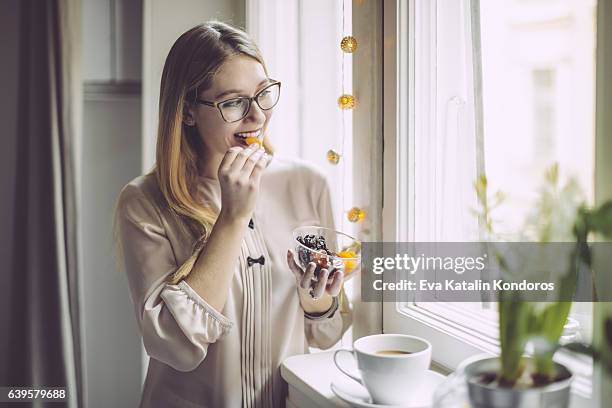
(249, 134)
(249, 137)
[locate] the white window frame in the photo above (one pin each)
(452, 342)
(453, 335)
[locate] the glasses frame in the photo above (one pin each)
(249, 99)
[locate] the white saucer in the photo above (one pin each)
(357, 396)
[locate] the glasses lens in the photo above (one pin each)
(268, 97)
(234, 109)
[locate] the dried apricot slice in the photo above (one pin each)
(252, 139)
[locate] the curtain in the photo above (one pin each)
(300, 42)
(448, 146)
(44, 341)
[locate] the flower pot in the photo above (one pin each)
(482, 395)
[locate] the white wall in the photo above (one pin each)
(112, 40)
(110, 158)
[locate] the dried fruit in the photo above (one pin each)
(252, 139)
(349, 264)
(321, 258)
(347, 259)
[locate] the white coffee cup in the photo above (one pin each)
(390, 374)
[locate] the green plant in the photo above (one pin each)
(558, 215)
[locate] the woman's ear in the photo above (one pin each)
(188, 114)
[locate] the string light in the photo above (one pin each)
(346, 101)
(348, 44)
(355, 214)
(333, 156)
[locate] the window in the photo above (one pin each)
(544, 114)
(501, 88)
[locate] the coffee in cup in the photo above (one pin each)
(392, 352)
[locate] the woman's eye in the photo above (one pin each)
(236, 103)
(265, 93)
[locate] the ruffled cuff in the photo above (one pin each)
(200, 322)
(324, 333)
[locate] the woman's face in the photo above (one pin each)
(238, 76)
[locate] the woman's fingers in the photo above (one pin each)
(229, 158)
(297, 271)
(306, 279)
(260, 166)
(242, 157)
(334, 284)
(250, 162)
(326, 281)
(319, 287)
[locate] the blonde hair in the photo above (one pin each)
(190, 67)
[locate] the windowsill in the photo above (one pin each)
(309, 377)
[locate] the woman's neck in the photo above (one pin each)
(209, 166)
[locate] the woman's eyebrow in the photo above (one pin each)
(237, 91)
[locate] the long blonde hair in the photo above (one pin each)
(190, 67)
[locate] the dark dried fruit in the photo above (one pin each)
(321, 258)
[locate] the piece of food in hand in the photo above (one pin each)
(319, 253)
(321, 260)
(252, 139)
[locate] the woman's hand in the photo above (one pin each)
(239, 176)
(315, 294)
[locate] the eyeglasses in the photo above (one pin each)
(235, 109)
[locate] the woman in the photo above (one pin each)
(205, 235)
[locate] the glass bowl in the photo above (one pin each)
(332, 250)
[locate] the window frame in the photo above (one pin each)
(452, 342)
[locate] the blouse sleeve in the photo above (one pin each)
(177, 325)
(325, 333)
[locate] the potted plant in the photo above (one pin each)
(513, 379)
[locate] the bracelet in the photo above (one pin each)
(325, 315)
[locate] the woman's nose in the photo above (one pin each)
(256, 114)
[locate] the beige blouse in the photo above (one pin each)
(202, 357)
